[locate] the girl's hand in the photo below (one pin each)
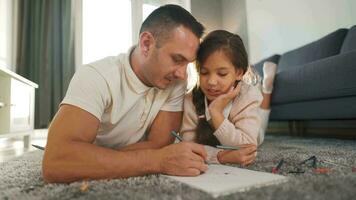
(218, 105)
(244, 156)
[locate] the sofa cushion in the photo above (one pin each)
(350, 41)
(327, 46)
(259, 66)
(331, 77)
(335, 108)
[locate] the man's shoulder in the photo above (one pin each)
(107, 65)
(109, 68)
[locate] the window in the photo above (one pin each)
(148, 7)
(3, 33)
(110, 27)
(107, 29)
(7, 38)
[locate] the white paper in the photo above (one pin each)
(222, 180)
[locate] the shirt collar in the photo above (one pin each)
(135, 83)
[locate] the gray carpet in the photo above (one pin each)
(21, 178)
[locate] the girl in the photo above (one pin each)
(223, 109)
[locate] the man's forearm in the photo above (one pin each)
(145, 145)
(86, 161)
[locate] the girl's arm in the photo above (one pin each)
(190, 120)
(244, 156)
(214, 155)
(244, 122)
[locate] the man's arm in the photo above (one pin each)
(159, 134)
(70, 154)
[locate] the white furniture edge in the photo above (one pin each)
(18, 77)
(25, 134)
(16, 134)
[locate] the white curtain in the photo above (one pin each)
(8, 33)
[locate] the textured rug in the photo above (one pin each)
(21, 178)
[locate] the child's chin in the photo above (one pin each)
(211, 98)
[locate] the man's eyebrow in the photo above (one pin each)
(179, 57)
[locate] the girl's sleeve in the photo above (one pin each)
(189, 125)
(244, 122)
(190, 119)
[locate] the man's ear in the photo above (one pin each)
(146, 42)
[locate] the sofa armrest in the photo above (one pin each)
(330, 77)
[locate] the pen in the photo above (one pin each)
(227, 147)
(177, 136)
(353, 169)
(38, 147)
(275, 169)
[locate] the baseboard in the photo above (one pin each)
(327, 129)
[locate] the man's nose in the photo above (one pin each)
(181, 73)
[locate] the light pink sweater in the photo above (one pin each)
(243, 124)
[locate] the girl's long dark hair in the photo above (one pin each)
(232, 46)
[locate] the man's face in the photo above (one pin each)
(169, 62)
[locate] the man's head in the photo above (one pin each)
(165, 18)
(169, 40)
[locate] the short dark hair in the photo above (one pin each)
(165, 18)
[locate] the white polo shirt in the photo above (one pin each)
(110, 90)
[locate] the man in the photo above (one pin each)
(116, 118)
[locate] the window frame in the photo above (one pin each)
(136, 17)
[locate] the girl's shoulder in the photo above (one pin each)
(188, 96)
(188, 99)
(248, 94)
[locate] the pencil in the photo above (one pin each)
(176, 135)
(38, 147)
(279, 165)
(227, 147)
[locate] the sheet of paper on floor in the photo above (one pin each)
(223, 180)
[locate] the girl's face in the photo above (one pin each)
(217, 75)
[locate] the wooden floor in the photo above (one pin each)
(11, 148)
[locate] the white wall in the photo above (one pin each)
(277, 26)
(234, 18)
(229, 15)
(207, 12)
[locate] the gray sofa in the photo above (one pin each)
(316, 81)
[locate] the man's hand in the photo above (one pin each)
(182, 159)
(244, 156)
